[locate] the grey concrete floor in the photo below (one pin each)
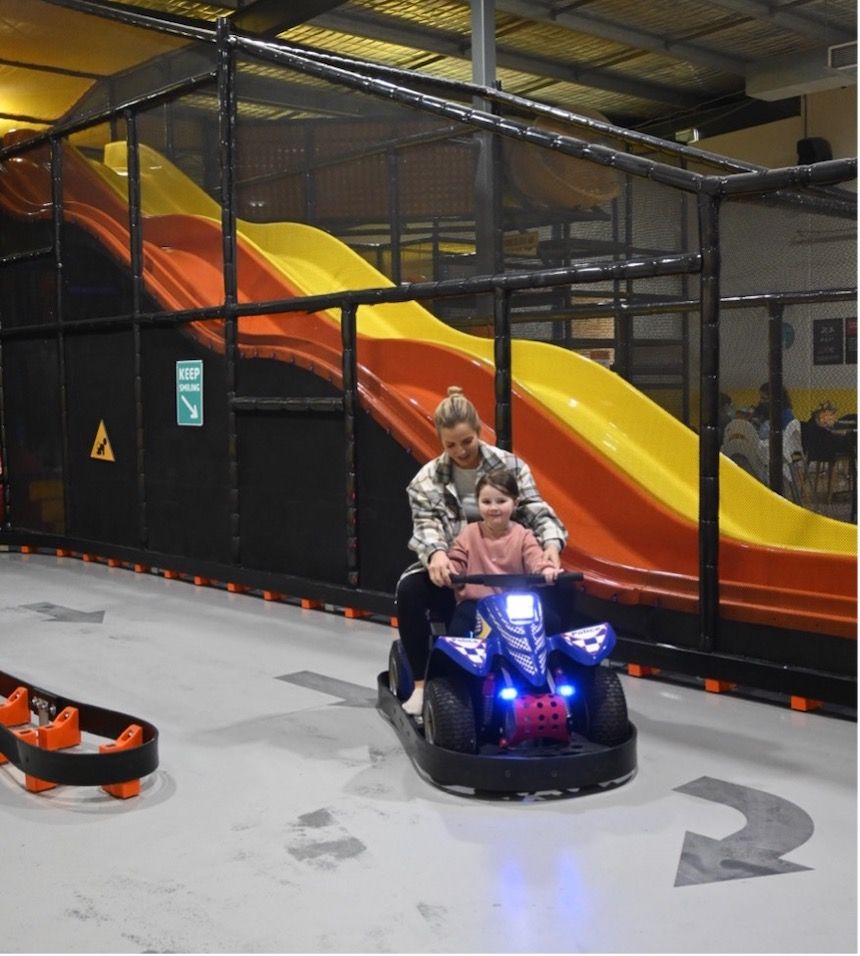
(285, 817)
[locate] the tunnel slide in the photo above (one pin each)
(621, 472)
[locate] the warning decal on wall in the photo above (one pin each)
(102, 450)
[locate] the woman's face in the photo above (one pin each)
(461, 444)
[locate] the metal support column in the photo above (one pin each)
(709, 434)
(489, 259)
(775, 313)
(502, 358)
(135, 233)
(57, 226)
(227, 158)
(350, 410)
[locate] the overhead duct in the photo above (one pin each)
(800, 73)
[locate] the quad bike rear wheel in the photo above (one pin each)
(608, 723)
(449, 717)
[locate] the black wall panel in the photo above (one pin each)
(102, 494)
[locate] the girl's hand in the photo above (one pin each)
(439, 568)
(550, 575)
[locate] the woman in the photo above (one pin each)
(442, 500)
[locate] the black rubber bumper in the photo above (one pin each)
(581, 766)
(75, 768)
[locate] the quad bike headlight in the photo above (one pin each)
(520, 607)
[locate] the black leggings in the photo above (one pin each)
(418, 601)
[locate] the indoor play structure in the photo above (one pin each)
(319, 375)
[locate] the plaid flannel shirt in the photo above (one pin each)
(438, 516)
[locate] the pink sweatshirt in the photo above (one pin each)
(518, 552)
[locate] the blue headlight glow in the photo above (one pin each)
(566, 690)
(520, 607)
(508, 693)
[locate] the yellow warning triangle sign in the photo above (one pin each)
(102, 450)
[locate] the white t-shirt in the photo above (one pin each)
(465, 480)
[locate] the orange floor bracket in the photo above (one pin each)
(201, 582)
(272, 596)
(805, 703)
(63, 553)
(234, 588)
(33, 784)
(171, 575)
(132, 736)
(142, 568)
(90, 557)
(114, 563)
(62, 732)
(718, 686)
(16, 709)
(393, 622)
(308, 605)
(642, 670)
(355, 612)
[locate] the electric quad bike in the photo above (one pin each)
(512, 709)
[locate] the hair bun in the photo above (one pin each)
(455, 390)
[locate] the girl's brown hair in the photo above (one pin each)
(502, 480)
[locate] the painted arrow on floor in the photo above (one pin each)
(774, 827)
(351, 695)
(67, 615)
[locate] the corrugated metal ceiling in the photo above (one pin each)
(650, 64)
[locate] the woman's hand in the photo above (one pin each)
(550, 575)
(439, 568)
(552, 553)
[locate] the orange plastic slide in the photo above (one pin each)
(631, 544)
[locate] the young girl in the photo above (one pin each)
(494, 545)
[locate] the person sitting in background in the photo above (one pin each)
(820, 443)
(761, 413)
(726, 414)
(495, 545)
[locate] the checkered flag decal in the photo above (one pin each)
(471, 648)
(590, 639)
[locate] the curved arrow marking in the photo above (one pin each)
(774, 827)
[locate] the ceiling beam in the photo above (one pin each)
(626, 35)
(791, 17)
(268, 18)
(392, 30)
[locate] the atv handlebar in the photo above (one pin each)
(514, 580)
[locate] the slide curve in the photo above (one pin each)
(622, 473)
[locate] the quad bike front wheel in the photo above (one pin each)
(449, 717)
(400, 681)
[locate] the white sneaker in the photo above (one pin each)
(415, 705)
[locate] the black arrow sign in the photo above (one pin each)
(66, 614)
(774, 827)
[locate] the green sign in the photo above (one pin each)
(189, 392)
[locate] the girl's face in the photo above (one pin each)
(461, 443)
(495, 508)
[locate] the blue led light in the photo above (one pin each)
(566, 690)
(508, 693)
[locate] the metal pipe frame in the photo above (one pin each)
(710, 190)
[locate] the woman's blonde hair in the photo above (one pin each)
(454, 410)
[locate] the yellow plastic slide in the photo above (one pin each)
(638, 437)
